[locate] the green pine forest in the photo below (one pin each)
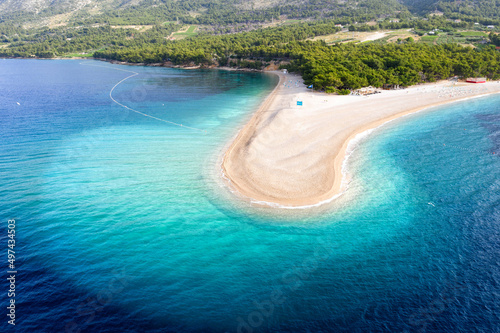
(444, 38)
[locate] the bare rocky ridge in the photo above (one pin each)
(36, 6)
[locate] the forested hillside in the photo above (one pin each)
(483, 8)
(441, 39)
(191, 11)
(231, 12)
(485, 11)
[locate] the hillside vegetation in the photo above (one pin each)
(454, 40)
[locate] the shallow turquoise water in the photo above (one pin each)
(123, 225)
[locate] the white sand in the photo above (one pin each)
(292, 155)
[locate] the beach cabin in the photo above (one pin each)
(390, 86)
(476, 80)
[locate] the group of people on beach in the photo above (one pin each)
(291, 83)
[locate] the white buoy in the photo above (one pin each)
(18, 103)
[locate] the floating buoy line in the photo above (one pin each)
(133, 110)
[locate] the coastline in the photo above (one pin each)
(291, 156)
(156, 64)
(328, 175)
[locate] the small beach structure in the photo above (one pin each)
(476, 80)
(387, 86)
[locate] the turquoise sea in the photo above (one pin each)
(123, 225)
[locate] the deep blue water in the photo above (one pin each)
(123, 226)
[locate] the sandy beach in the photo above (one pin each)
(292, 155)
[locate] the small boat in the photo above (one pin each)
(476, 80)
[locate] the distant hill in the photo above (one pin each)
(479, 8)
(61, 6)
(207, 12)
(469, 7)
(21, 11)
(226, 16)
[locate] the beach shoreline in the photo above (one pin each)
(315, 177)
(264, 166)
